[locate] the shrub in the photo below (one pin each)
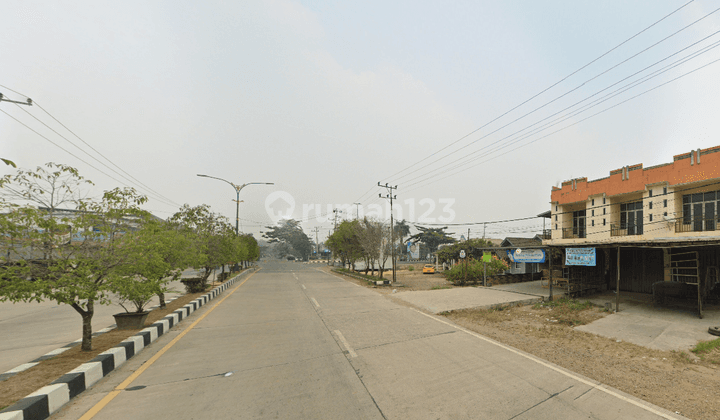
(475, 270)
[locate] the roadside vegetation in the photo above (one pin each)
(708, 351)
(59, 245)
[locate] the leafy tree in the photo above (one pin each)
(432, 237)
(345, 243)
(204, 229)
(78, 273)
(402, 229)
(451, 252)
(160, 254)
(50, 189)
(290, 232)
(374, 238)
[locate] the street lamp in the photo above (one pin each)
(237, 200)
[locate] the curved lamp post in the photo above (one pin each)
(237, 200)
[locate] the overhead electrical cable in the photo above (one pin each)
(158, 196)
(568, 126)
(544, 90)
(103, 156)
(564, 94)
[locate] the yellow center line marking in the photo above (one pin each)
(118, 389)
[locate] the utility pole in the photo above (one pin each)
(484, 226)
(357, 210)
(468, 234)
(336, 211)
(317, 247)
(391, 197)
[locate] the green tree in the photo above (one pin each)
(402, 229)
(159, 253)
(451, 252)
(50, 189)
(473, 270)
(432, 237)
(78, 273)
(290, 232)
(345, 243)
(205, 230)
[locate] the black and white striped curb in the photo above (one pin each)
(360, 277)
(45, 401)
(25, 366)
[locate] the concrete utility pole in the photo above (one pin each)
(391, 197)
(317, 249)
(357, 210)
(336, 211)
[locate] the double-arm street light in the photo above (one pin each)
(237, 200)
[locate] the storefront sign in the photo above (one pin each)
(580, 256)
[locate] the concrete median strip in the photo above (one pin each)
(45, 401)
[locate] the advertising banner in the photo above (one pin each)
(580, 256)
(526, 255)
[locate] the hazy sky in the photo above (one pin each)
(326, 99)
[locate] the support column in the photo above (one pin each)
(617, 284)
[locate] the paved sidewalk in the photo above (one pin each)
(661, 328)
(437, 301)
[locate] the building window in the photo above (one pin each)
(593, 212)
(592, 202)
(604, 210)
(556, 217)
(592, 222)
(603, 200)
(700, 211)
(555, 226)
(603, 222)
(555, 208)
(665, 203)
(650, 205)
(665, 214)
(579, 224)
(664, 190)
(650, 191)
(651, 217)
(631, 218)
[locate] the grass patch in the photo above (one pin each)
(708, 351)
(565, 303)
(440, 287)
(411, 268)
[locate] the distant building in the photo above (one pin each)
(521, 267)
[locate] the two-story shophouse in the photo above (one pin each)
(662, 222)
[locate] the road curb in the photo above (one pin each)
(45, 401)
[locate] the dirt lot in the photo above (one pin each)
(677, 381)
(29, 381)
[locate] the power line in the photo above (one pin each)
(574, 89)
(568, 126)
(158, 196)
(103, 156)
(544, 90)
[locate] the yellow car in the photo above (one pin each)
(428, 269)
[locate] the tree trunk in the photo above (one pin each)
(87, 327)
(161, 297)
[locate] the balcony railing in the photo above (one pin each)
(620, 230)
(547, 234)
(696, 224)
(573, 233)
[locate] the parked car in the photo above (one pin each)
(428, 269)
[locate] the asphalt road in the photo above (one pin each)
(30, 330)
(291, 342)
